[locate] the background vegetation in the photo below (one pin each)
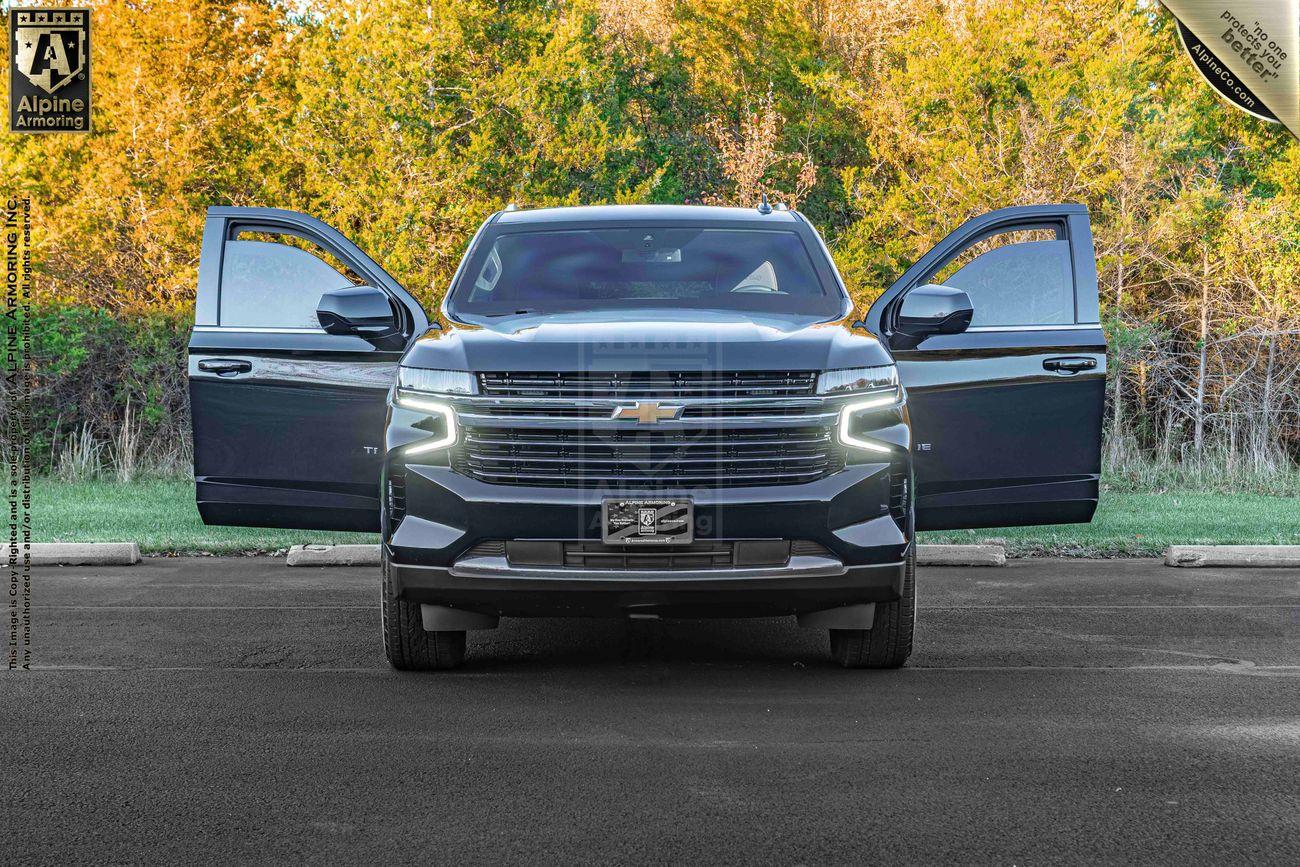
(886, 121)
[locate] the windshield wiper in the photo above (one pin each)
(511, 313)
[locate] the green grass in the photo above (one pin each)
(1144, 524)
(161, 516)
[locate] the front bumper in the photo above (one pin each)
(432, 558)
(530, 592)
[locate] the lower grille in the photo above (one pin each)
(703, 554)
(490, 548)
(396, 496)
(899, 493)
(805, 548)
(690, 457)
(698, 555)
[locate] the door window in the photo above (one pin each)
(272, 280)
(1015, 278)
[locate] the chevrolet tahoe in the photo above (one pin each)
(647, 411)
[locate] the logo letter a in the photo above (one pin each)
(56, 56)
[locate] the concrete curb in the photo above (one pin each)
(961, 555)
(333, 555)
(1255, 556)
(77, 553)
(368, 555)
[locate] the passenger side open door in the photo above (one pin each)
(1006, 411)
(296, 338)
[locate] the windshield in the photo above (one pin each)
(675, 268)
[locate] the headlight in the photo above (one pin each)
(417, 389)
(875, 388)
(858, 379)
(436, 381)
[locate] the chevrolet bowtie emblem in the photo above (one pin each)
(648, 412)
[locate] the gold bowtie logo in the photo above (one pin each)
(649, 412)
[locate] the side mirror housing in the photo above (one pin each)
(360, 311)
(931, 309)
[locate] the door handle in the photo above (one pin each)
(1070, 364)
(225, 366)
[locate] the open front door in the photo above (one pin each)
(1006, 414)
(289, 418)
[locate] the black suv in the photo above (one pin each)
(647, 411)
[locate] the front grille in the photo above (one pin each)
(656, 384)
(619, 458)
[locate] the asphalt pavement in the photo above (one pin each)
(1055, 711)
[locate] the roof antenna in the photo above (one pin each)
(763, 206)
(511, 207)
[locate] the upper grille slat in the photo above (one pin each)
(637, 460)
(606, 438)
(664, 385)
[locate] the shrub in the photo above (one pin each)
(111, 385)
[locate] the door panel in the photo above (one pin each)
(1006, 417)
(998, 439)
(288, 420)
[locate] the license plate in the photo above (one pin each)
(647, 522)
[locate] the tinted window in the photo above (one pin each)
(272, 284)
(1025, 283)
(600, 269)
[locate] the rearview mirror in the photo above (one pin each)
(932, 309)
(361, 311)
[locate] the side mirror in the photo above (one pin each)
(932, 309)
(361, 311)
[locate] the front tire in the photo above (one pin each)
(888, 643)
(406, 644)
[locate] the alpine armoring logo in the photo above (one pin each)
(49, 72)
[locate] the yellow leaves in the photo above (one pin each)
(752, 159)
(637, 25)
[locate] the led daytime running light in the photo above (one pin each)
(432, 408)
(846, 417)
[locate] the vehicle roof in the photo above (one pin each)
(643, 213)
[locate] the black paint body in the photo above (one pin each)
(292, 427)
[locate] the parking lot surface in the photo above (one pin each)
(1064, 711)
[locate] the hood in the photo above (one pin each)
(641, 340)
